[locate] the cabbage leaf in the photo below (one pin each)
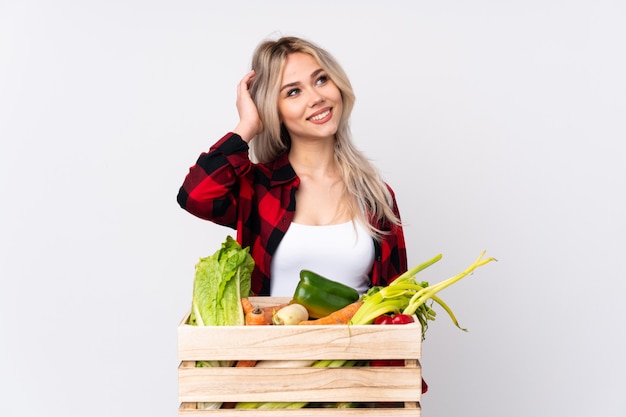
(221, 280)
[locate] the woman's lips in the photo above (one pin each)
(321, 116)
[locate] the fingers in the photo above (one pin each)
(249, 76)
(243, 93)
(244, 84)
(249, 121)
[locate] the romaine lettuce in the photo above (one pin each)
(221, 280)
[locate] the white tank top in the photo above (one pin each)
(341, 252)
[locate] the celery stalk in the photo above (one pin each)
(448, 310)
(409, 296)
(415, 270)
(422, 296)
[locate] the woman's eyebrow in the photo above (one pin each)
(289, 85)
(316, 72)
(296, 83)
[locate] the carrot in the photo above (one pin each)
(256, 318)
(246, 363)
(341, 316)
(247, 305)
(256, 315)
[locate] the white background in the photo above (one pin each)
(500, 125)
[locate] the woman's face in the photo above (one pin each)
(309, 102)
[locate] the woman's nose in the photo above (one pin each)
(317, 99)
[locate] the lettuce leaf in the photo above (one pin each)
(221, 280)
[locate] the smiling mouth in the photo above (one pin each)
(320, 116)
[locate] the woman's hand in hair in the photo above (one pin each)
(250, 123)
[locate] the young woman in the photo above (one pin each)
(310, 200)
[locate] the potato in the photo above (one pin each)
(291, 314)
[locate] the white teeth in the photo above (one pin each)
(320, 116)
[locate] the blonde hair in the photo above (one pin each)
(361, 179)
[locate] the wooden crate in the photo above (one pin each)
(388, 391)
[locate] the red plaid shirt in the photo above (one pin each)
(258, 200)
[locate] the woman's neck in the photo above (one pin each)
(314, 158)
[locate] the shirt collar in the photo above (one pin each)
(282, 171)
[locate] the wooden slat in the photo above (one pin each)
(307, 412)
(348, 384)
(298, 342)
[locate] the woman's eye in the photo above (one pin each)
(322, 79)
(293, 92)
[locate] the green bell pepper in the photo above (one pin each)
(322, 296)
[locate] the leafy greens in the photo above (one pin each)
(221, 280)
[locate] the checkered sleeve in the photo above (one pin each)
(211, 188)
